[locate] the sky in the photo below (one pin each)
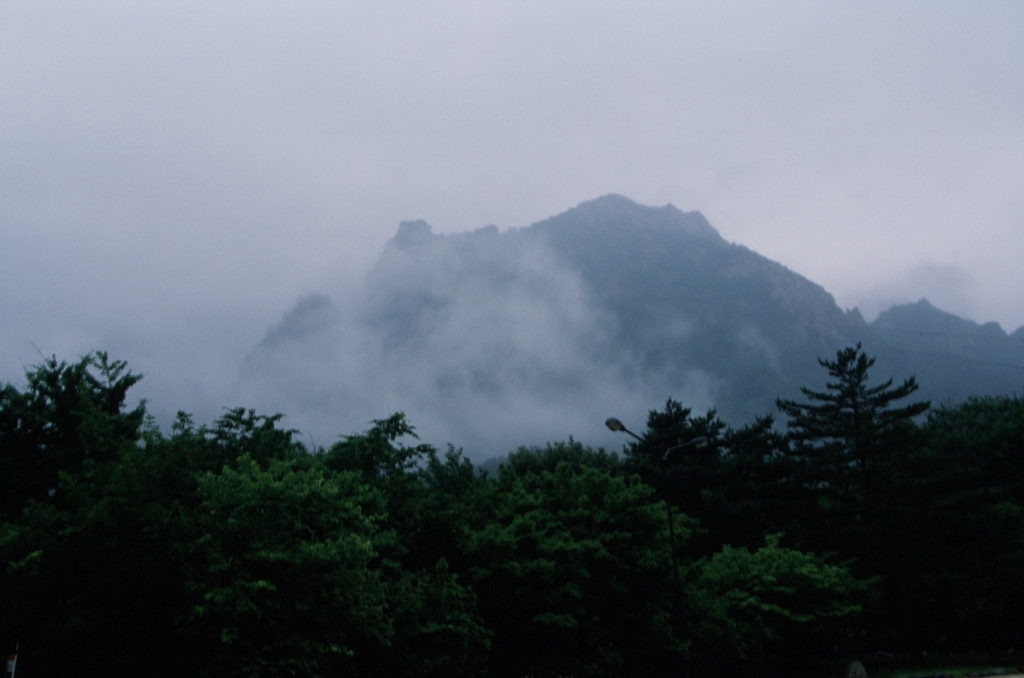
(175, 175)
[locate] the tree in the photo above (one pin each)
(847, 433)
(70, 557)
(686, 479)
(572, 571)
(956, 581)
(280, 571)
(70, 418)
(749, 497)
(437, 631)
(773, 605)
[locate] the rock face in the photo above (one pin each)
(753, 322)
(609, 303)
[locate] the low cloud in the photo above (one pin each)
(490, 351)
(947, 286)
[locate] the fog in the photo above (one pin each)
(486, 342)
(174, 176)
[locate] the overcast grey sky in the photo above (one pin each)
(173, 175)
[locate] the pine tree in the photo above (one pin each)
(847, 433)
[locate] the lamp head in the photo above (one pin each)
(614, 424)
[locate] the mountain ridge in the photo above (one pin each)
(607, 302)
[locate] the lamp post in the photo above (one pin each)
(695, 444)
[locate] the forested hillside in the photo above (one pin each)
(868, 525)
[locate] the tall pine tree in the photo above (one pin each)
(848, 430)
(846, 441)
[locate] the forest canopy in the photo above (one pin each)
(866, 524)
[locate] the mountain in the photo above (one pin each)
(953, 358)
(492, 339)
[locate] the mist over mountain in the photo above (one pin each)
(490, 339)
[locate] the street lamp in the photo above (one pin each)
(696, 444)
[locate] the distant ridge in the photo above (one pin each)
(952, 357)
(923, 317)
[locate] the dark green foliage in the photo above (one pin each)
(957, 578)
(70, 542)
(437, 631)
(230, 549)
(847, 439)
(772, 608)
(933, 509)
(847, 431)
(572, 452)
(733, 486)
(751, 604)
(70, 418)
(279, 571)
(750, 494)
(572, 570)
(220, 550)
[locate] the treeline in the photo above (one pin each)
(230, 549)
